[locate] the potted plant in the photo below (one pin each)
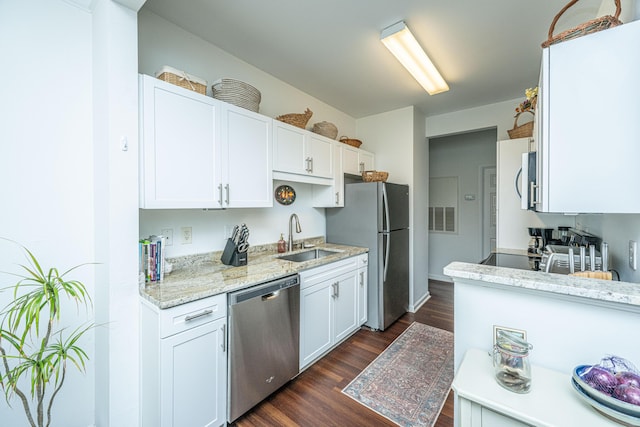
(34, 352)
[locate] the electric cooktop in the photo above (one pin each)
(522, 262)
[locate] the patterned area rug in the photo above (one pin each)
(409, 382)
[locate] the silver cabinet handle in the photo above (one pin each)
(307, 166)
(226, 187)
(311, 164)
(220, 190)
(334, 291)
(196, 316)
(337, 289)
(223, 344)
(337, 198)
(362, 278)
(361, 166)
(532, 195)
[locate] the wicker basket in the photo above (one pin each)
(595, 25)
(296, 119)
(238, 93)
(522, 131)
(350, 141)
(325, 129)
(375, 176)
(182, 79)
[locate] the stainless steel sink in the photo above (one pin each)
(307, 255)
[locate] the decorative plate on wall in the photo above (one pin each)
(285, 195)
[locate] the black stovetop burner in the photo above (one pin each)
(521, 262)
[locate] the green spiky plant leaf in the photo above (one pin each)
(32, 351)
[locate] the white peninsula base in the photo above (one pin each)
(552, 401)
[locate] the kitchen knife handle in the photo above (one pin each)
(592, 257)
(604, 256)
(583, 258)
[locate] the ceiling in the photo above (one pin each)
(488, 51)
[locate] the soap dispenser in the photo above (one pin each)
(282, 245)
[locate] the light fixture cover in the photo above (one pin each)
(399, 40)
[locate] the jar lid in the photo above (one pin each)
(511, 342)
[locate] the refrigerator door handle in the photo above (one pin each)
(386, 226)
(386, 236)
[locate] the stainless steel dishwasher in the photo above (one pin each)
(264, 341)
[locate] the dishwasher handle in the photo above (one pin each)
(270, 296)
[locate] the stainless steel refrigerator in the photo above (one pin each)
(376, 215)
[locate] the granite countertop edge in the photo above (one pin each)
(595, 289)
(203, 275)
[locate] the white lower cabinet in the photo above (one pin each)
(329, 302)
(184, 364)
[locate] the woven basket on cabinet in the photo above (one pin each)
(296, 119)
(375, 176)
(595, 25)
(522, 131)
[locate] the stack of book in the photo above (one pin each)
(151, 253)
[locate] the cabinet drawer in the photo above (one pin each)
(187, 316)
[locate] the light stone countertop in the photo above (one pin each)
(594, 289)
(200, 276)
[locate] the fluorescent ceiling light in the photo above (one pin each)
(399, 40)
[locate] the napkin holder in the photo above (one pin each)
(232, 256)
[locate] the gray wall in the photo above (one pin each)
(461, 155)
(617, 230)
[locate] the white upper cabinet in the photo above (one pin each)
(331, 196)
(178, 147)
(301, 155)
(198, 152)
(588, 126)
(247, 175)
(355, 161)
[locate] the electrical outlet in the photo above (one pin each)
(168, 236)
(633, 258)
(187, 236)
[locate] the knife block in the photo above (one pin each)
(231, 255)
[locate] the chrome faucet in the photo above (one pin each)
(298, 230)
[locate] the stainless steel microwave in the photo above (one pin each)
(529, 181)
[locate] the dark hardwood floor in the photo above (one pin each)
(314, 398)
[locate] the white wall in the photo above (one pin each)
(461, 156)
(46, 166)
(617, 230)
(163, 43)
(210, 228)
(115, 108)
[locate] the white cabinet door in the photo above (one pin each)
(288, 148)
(193, 384)
(301, 153)
(363, 286)
(315, 322)
(178, 151)
(588, 152)
(319, 151)
(331, 196)
(328, 307)
(366, 160)
(355, 161)
(247, 166)
(350, 161)
(345, 312)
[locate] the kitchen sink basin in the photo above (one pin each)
(307, 255)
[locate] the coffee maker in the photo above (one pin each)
(539, 239)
